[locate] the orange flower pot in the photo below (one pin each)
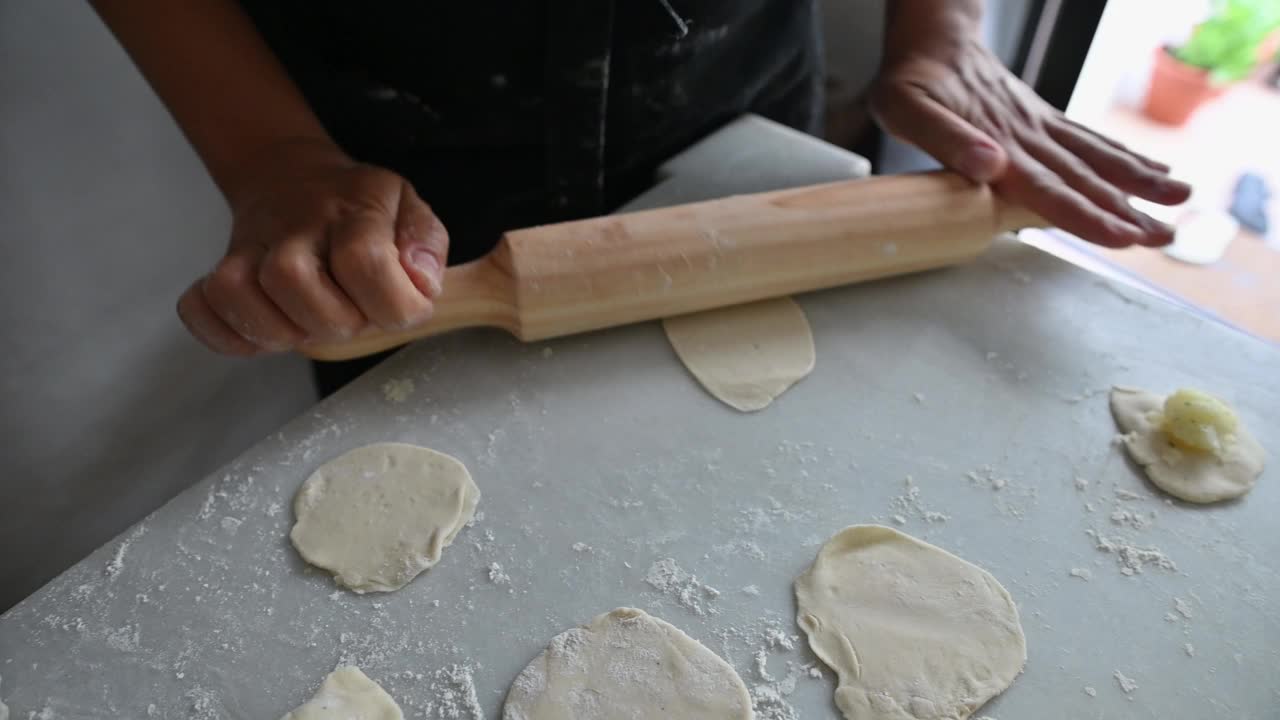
(1177, 90)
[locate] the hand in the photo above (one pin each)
(321, 246)
(956, 101)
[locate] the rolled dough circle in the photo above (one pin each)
(911, 630)
(623, 665)
(347, 694)
(1198, 477)
(745, 355)
(378, 515)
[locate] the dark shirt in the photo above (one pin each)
(517, 113)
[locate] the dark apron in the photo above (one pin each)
(519, 113)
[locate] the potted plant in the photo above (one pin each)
(1221, 50)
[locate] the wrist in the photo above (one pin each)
(932, 27)
(284, 157)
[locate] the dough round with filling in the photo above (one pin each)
(623, 665)
(347, 694)
(1195, 476)
(378, 515)
(745, 355)
(911, 630)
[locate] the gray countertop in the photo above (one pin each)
(599, 456)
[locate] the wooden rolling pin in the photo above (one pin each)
(571, 277)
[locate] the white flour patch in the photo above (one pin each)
(1090, 691)
(581, 547)
(398, 390)
(769, 698)
(1127, 684)
(1189, 649)
(116, 563)
(1131, 558)
(909, 505)
(1183, 608)
(1083, 573)
(751, 590)
(1135, 520)
(453, 694)
(497, 575)
(1081, 484)
(668, 578)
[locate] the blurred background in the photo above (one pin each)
(108, 408)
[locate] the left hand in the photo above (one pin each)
(956, 101)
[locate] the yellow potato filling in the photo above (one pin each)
(1198, 421)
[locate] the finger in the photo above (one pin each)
(202, 322)
(914, 116)
(232, 291)
(1037, 188)
(365, 261)
(1126, 170)
(1077, 174)
(1086, 131)
(423, 243)
(294, 277)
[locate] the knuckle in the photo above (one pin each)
(284, 271)
(364, 257)
(230, 279)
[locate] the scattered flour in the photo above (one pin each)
(1183, 608)
(1081, 484)
(1122, 494)
(4, 709)
(1083, 573)
(453, 693)
(1127, 684)
(581, 547)
(667, 577)
(909, 504)
(116, 564)
(1188, 648)
(497, 575)
(1135, 520)
(397, 390)
(1090, 691)
(1131, 558)
(751, 590)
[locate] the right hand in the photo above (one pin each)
(321, 247)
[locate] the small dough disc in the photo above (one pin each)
(745, 355)
(911, 630)
(627, 664)
(1199, 477)
(347, 694)
(380, 514)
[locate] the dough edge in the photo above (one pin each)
(743, 395)
(813, 626)
(303, 499)
(519, 695)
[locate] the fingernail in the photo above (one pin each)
(979, 162)
(430, 267)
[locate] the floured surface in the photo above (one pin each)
(379, 515)
(627, 664)
(348, 694)
(205, 611)
(1200, 477)
(745, 355)
(913, 631)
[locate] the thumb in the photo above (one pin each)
(919, 119)
(423, 243)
